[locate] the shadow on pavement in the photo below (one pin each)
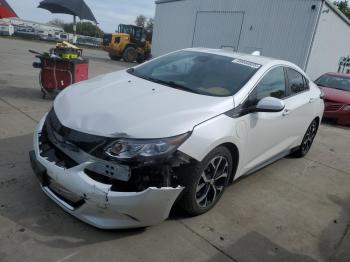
(333, 123)
(33, 94)
(254, 247)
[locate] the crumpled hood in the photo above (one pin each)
(120, 103)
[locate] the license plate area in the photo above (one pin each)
(110, 170)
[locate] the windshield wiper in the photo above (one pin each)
(173, 85)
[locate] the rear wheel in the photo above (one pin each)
(308, 139)
(130, 54)
(206, 181)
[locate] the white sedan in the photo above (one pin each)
(119, 150)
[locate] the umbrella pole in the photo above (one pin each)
(74, 29)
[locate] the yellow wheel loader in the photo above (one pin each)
(130, 43)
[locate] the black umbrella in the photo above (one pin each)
(71, 7)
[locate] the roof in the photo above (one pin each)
(262, 60)
(6, 11)
(328, 2)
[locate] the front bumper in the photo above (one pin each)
(342, 116)
(96, 204)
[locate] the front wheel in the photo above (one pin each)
(206, 181)
(308, 139)
(130, 54)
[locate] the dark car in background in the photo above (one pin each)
(336, 89)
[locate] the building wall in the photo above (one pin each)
(278, 28)
(332, 41)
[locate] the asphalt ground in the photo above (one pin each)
(292, 210)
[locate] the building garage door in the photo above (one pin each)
(211, 29)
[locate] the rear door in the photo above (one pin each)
(298, 112)
(211, 29)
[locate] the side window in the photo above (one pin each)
(273, 84)
(296, 81)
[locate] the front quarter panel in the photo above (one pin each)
(210, 134)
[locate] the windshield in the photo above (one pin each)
(198, 72)
(336, 82)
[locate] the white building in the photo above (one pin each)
(311, 33)
(6, 28)
(17, 22)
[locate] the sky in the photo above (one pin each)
(108, 13)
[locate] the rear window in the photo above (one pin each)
(198, 72)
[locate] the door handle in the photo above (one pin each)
(286, 112)
(312, 100)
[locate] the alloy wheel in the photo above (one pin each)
(309, 137)
(212, 182)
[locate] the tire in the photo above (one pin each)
(199, 194)
(130, 54)
(115, 57)
(308, 139)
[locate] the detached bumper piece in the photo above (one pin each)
(78, 183)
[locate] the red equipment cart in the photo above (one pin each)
(58, 73)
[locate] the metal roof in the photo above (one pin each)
(328, 2)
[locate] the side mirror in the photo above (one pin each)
(270, 104)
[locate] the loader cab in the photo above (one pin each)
(137, 34)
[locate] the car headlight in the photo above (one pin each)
(347, 108)
(130, 148)
(322, 94)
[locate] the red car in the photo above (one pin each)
(336, 89)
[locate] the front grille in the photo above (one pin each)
(67, 148)
(50, 152)
(90, 144)
(56, 141)
(332, 106)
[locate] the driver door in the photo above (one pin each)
(266, 135)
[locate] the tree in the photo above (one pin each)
(150, 24)
(56, 22)
(140, 20)
(84, 28)
(343, 7)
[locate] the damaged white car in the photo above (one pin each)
(119, 150)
